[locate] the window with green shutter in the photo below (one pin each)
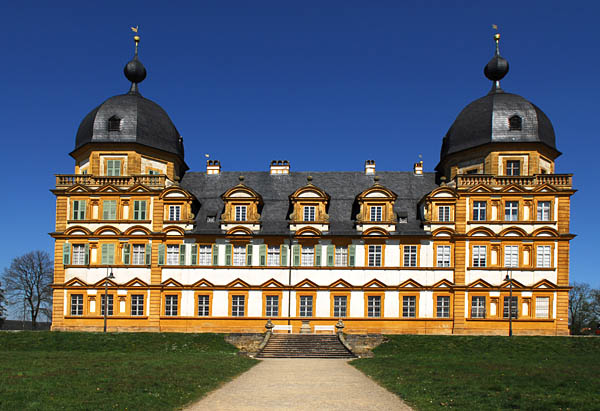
(66, 253)
(113, 167)
(249, 249)
(139, 210)
(161, 254)
(126, 253)
(108, 254)
(296, 254)
(182, 254)
(78, 209)
(215, 254)
(262, 254)
(330, 252)
(351, 255)
(148, 254)
(109, 210)
(318, 255)
(228, 249)
(284, 255)
(194, 254)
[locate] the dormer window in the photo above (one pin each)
(114, 124)
(376, 213)
(240, 213)
(515, 123)
(309, 213)
(309, 208)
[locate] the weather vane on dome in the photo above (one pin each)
(136, 38)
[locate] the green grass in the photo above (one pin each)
(95, 371)
(481, 373)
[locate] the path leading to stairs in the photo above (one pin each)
(301, 384)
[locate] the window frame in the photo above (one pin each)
(485, 306)
(402, 305)
(477, 261)
(309, 213)
(437, 297)
(172, 213)
(511, 211)
(375, 253)
(437, 255)
(505, 255)
(271, 254)
(376, 213)
(168, 304)
(510, 169)
(312, 297)
(540, 212)
(342, 253)
(310, 251)
(333, 297)
(408, 263)
(135, 305)
(233, 297)
(240, 212)
(104, 210)
(136, 215)
(550, 306)
(267, 293)
(550, 256)
(84, 254)
(368, 308)
(478, 211)
(81, 210)
(107, 169)
(204, 254)
(176, 247)
(505, 298)
(444, 214)
(207, 308)
(71, 306)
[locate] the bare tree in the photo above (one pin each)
(28, 281)
(580, 307)
(2, 307)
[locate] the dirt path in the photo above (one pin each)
(301, 384)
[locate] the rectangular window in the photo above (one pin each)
(340, 304)
(110, 305)
(444, 213)
(203, 305)
(341, 256)
(409, 306)
(374, 258)
(443, 306)
(272, 306)
(544, 258)
(273, 255)
(138, 254)
(139, 209)
(309, 213)
(511, 255)
(308, 256)
(239, 255)
(479, 255)
(109, 210)
(174, 213)
(543, 210)
(542, 307)
(513, 167)
(376, 213)
(76, 304)
(137, 304)
(113, 167)
(204, 254)
(171, 305)
(237, 305)
(306, 306)
(374, 306)
(240, 213)
(410, 256)
(514, 308)
(511, 211)
(108, 254)
(443, 256)
(173, 254)
(79, 254)
(78, 209)
(479, 209)
(478, 306)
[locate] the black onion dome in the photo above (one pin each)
(496, 68)
(487, 120)
(135, 119)
(135, 71)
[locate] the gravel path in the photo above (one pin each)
(301, 384)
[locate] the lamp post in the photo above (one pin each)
(509, 279)
(108, 277)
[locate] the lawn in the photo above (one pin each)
(479, 373)
(95, 371)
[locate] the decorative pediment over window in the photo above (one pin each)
(242, 208)
(376, 205)
(309, 208)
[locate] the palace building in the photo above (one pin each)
(387, 252)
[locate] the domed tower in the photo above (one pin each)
(499, 134)
(129, 135)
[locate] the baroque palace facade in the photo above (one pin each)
(388, 252)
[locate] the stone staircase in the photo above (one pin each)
(304, 346)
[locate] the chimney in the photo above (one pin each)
(280, 167)
(213, 167)
(419, 168)
(370, 167)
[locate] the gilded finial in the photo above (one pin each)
(496, 39)
(136, 38)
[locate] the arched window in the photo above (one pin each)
(114, 124)
(515, 123)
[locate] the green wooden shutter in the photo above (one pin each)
(66, 253)
(182, 254)
(228, 248)
(318, 255)
(148, 254)
(330, 255)
(215, 254)
(351, 255)
(136, 210)
(284, 255)
(126, 253)
(104, 259)
(194, 260)
(109, 210)
(249, 249)
(111, 253)
(262, 253)
(296, 254)
(143, 210)
(161, 254)
(87, 254)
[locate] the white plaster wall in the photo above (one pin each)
(119, 226)
(391, 307)
(322, 304)
(187, 306)
(496, 277)
(254, 304)
(93, 275)
(357, 304)
(392, 254)
(426, 254)
(220, 303)
(426, 304)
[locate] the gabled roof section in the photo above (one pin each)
(139, 188)
(443, 284)
(238, 283)
(306, 283)
(480, 188)
(78, 188)
(410, 283)
(545, 188)
(172, 283)
(544, 284)
(108, 188)
(515, 284)
(272, 283)
(513, 188)
(103, 281)
(136, 282)
(203, 283)
(341, 283)
(76, 282)
(374, 283)
(479, 284)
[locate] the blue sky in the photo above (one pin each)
(323, 84)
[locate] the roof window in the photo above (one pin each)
(515, 123)
(114, 124)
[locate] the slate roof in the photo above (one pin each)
(142, 121)
(485, 120)
(342, 187)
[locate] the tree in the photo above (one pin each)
(28, 281)
(2, 307)
(581, 312)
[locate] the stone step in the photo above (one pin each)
(304, 346)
